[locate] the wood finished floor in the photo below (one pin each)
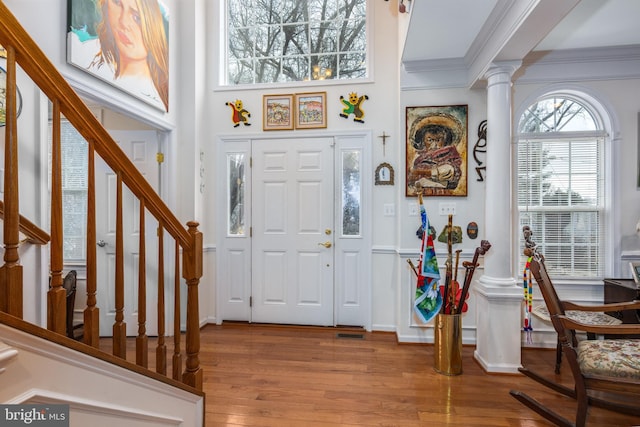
(281, 376)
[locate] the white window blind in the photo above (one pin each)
(560, 192)
(74, 191)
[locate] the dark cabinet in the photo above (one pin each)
(621, 290)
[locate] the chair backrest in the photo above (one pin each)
(551, 299)
(69, 284)
(553, 302)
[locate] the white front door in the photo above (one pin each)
(140, 147)
(273, 220)
(293, 231)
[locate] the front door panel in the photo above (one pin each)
(292, 251)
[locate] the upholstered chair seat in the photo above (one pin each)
(610, 358)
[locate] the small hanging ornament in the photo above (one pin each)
(472, 230)
(402, 8)
(353, 105)
(528, 300)
(529, 252)
(456, 234)
(238, 113)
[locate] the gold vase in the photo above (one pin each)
(448, 344)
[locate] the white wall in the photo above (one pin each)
(468, 209)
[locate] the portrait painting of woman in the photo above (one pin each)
(124, 42)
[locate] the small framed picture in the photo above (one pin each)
(311, 110)
(385, 174)
(277, 111)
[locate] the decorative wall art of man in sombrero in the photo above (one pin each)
(437, 151)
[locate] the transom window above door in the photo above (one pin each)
(281, 41)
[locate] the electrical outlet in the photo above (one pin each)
(413, 209)
(447, 209)
(389, 209)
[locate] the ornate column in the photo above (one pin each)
(498, 296)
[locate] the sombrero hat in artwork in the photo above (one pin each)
(442, 120)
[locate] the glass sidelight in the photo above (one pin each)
(351, 192)
(236, 163)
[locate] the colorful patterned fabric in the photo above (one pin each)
(586, 317)
(610, 358)
(527, 284)
(428, 300)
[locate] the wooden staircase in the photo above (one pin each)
(23, 51)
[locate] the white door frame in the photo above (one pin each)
(352, 282)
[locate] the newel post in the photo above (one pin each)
(192, 272)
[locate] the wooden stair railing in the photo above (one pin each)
(22, 50)
(32, 232)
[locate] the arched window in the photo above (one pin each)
(560, 183)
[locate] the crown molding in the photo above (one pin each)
(434, 74)
(603, 63)
(584, 55)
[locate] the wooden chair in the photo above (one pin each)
(69, 284)
(579, 315)
(576, 312)
(606, 372)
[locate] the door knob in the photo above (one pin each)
(101, 243)
(325, 244)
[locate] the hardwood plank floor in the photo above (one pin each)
(265, 375)
(281, 376)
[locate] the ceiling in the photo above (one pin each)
(458, 29)
(596, 23)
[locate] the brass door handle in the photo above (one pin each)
(325, 244)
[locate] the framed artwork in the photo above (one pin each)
(277, 112)
(436, 150)
(101, 43)
(311, 110)
(385, 174)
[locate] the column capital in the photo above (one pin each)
(501, 71)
